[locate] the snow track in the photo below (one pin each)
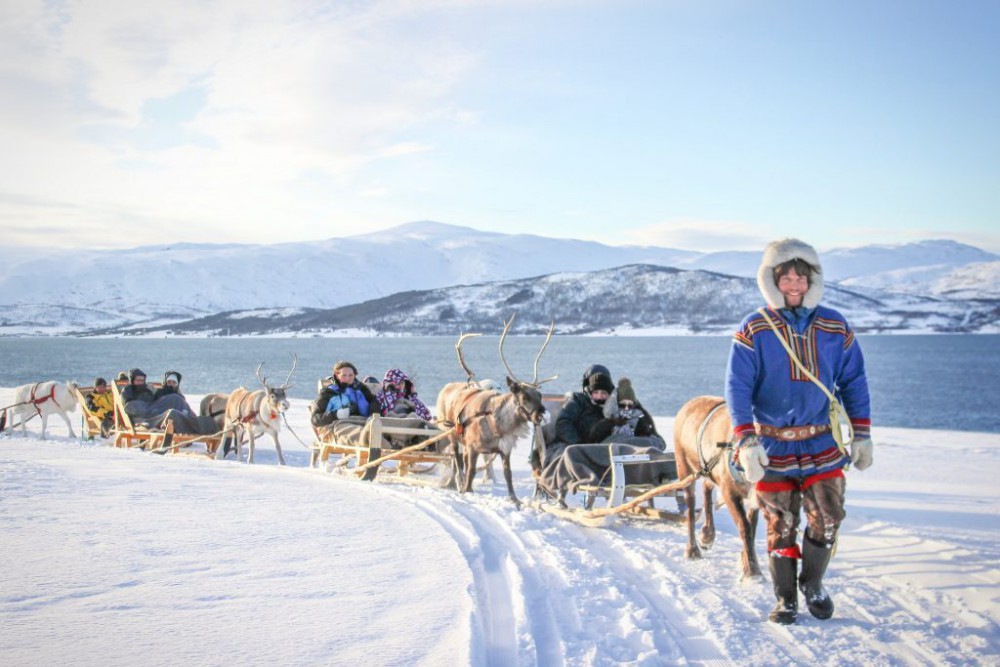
(380, 573)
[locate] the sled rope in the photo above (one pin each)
(837, 412)
(284, 418)
(395, 453)
(652, 493)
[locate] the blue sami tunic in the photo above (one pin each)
(763, 385)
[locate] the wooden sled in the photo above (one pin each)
(126, 434)
(622, 500)
(90, 423)
(367, 459)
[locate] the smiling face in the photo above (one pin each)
(793, 287)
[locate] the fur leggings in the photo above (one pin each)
(781, 499)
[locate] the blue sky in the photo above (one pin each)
(698, 125)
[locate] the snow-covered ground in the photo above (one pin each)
(115, 557)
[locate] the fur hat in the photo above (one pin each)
(779, 252)
(625, 390)
(600, 382)
(344, 364)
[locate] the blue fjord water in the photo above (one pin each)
(933, 381)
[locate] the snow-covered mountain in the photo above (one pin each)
(51, 290)
(625, 300)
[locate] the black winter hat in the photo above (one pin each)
(134, 373)
(600, 381)
(100, 382)
(596, 368)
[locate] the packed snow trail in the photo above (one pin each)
(124, 557)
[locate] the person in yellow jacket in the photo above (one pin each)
(102, 404)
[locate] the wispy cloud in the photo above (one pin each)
(702, 235)
(207, 114)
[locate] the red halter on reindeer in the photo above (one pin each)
(254, 413)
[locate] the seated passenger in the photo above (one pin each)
(587, 424)
(345, 397)
(171, 385)
(102, 404)
(627, 421)
(155, 409)
(398, 399)
(581, 418)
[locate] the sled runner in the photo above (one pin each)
(126, 434)
(622, 499)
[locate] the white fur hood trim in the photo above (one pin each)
(781, 251)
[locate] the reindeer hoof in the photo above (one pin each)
(692, 553)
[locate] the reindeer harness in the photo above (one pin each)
(255, 411)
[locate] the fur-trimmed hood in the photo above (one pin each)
(778, 252)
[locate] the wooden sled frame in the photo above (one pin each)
(369, 459)
(622, 499)
(90, 423)
(126, 435)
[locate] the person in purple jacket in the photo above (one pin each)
(781, 420)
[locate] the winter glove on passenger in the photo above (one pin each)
(862, 455)
(611, 406)
(752, 458)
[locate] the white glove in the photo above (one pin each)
(861, 454)
(611, 405)
(753, 458)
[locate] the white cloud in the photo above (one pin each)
(287, 88)
(701, 235)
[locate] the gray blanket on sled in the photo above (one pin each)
(172, 407)
(578, 465)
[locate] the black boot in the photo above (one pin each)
(815, 557)
(783, 575)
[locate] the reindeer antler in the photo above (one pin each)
(295, 362)
(263, 380)
(503, 336)
(534, 382)
(548, 337)
(461, 356)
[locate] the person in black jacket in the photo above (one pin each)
(581, 419)
(171, 385)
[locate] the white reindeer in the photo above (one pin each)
(254, 413)
(44, 399)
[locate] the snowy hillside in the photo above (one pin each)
(633, 299)
(54, 291)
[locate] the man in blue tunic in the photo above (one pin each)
(781, 420)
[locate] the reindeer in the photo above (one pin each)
(702, 431)
(486, 421)
(43, 399)
(254, 413)
(214, 406)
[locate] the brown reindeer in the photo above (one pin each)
(254, 413)
(702, 431)
(487, 421)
